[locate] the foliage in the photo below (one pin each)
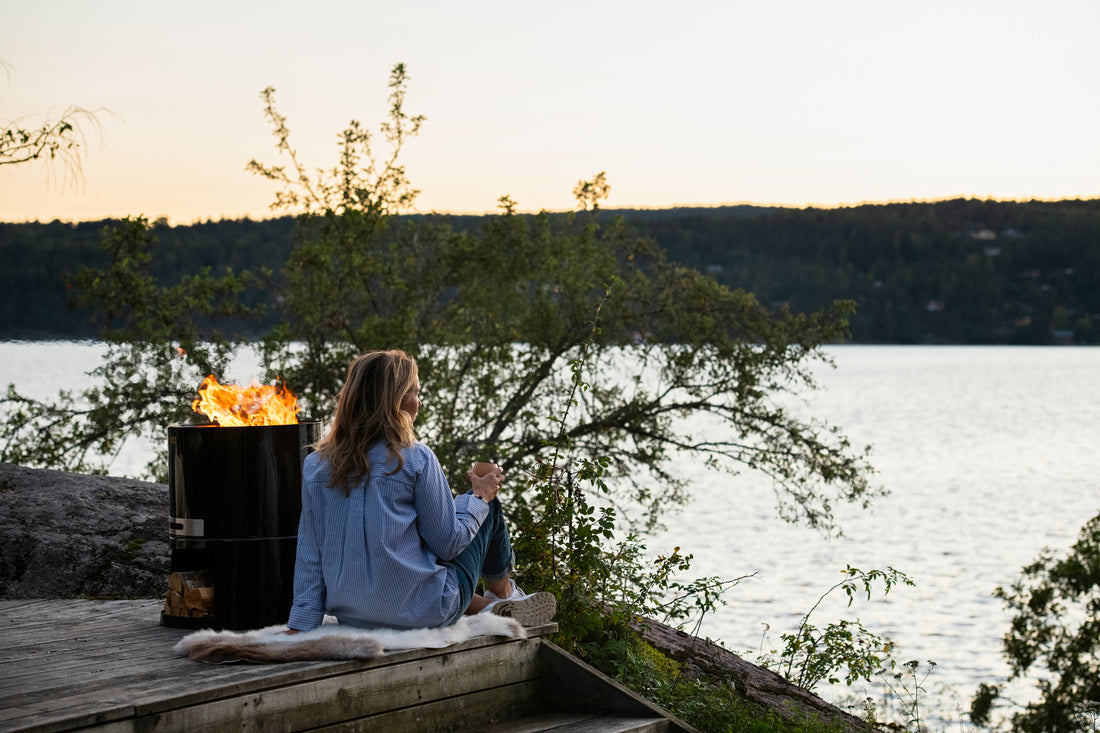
(156, 356)
(350, 284)
(707, 703)
(462, 304)
(811, 654)
(891, 259)
(906, 687)
(569, 349)
(956, 271)
(567, 546)
(55, 139)
(495, 318)
(1055, 638)
(656, 589)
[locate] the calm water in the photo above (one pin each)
(989, 453)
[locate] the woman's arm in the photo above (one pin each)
(308, 610)
(445, 523)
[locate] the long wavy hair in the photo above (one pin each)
(368, 410)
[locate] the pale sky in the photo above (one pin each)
(793, 102)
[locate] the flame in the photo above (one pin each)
(230, 405)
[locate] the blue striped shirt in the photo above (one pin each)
(378, 558)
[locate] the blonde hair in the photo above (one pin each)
(368, 410)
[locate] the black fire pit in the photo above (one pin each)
(235, 498)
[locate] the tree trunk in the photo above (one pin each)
(764, 687)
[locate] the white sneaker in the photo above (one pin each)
(515, 595)
(530, 609)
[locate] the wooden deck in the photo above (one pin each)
(108, 665)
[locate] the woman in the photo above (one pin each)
(382, 542)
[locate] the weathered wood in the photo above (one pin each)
(577, 723)
(543, 721)
(64, 672)
(355, 695)
(476, 711)
(108, 664)
(616, 724)
(570, 684)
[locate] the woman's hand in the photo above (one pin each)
(488, 484)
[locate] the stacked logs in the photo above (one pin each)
(190, 594)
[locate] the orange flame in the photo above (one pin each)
(230, 405)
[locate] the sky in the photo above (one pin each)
(777, 102)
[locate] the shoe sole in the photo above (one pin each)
(534, 610)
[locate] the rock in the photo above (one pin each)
(65, 535)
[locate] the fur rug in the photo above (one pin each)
(332, 641)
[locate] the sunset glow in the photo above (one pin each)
(697, 103)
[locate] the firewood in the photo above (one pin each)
(189, 594)
(191, 578)
(192, 598)
(172, 602)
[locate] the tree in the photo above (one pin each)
(61, 138)
(1055, 635)
(501, 321)
(157, 354)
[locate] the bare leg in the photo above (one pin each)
(476, 604)
(502, 588)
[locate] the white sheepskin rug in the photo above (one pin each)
(332, 641)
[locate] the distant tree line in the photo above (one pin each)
(957, 271)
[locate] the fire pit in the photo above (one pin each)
(235, 497)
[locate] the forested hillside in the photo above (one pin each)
(959, 271)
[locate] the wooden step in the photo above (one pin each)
(107, 666)
(579, 723)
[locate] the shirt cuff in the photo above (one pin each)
(472, 505)
(304, 619)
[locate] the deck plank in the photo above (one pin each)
(68, 664)
(351, 696)
(476, 711)
(538, 722)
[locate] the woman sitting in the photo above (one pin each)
(382, 542)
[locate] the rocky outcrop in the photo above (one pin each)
(65, 535)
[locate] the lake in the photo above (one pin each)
(990, 454)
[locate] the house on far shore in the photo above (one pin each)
(1061, 336)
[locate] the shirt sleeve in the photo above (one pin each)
(308, 610)
(446, 525)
